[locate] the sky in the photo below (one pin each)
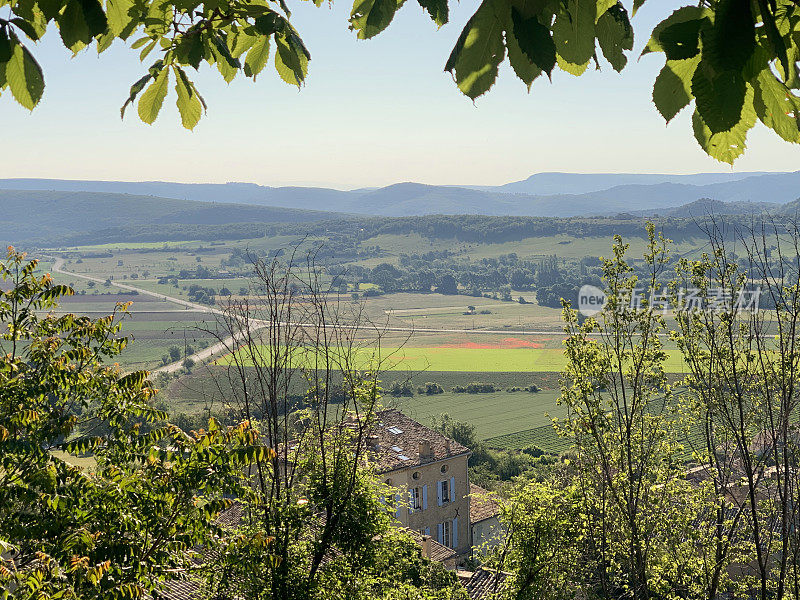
(372, 113)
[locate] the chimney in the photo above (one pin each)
(372, 441)
(426, 546)
(425, 449)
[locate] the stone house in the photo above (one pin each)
(429, 472)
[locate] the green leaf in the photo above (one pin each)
(777, 107)
(682, 15)
(719, 97)
(478, 51)
(731, 42)
(241, 42)
(269, 23)
(571, 68)
(603, 6)
(227, 65)
(135, 89)
(27, 28)
(119, 15)
(153, 97)
(681, 40)
(80, 22)
(189, 48)
(370, 17)
(291, 58)
(437, 9)
(672, 91)
(5, 48)
(24, 76)
(188, 103)
(615, 35)
(523, 66)
(147, 49)
(534, 40)
(574, 31)
(726, 146)
(257, 57)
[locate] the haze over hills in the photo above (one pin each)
(543, 194)
(581, 183)
(37, 215)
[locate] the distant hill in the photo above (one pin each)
(556, 194)
(546, 184)
(42, 215)
(709, 207)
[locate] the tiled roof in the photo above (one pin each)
(396, 442)
(481, 505)
(439, 552)
(180, 590)
(486, 584)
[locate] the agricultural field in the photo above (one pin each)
(452, 340)
(492, 414)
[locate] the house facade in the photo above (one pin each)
(429, 473)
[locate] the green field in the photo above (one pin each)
(492, 414)
(519, 360)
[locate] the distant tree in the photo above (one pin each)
(447, 285)
(175, 353)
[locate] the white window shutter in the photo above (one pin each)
(452, 489)
(397, 499)
(455, 532)
(439, 492)
(440, 533)
(410, 502)
(424, 497)
(427, 531)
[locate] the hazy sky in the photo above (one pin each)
(372, 113)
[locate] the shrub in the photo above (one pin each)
(430, 388)
(401, 388)
(475, 388)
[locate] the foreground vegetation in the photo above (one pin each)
(660, 485)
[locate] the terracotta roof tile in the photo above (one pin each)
(439, 552)
(399, 442)
(481, 505)
(486, 584)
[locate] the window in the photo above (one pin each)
(415, 499)
(444, 468)
(444, 491)
(415, 476)
(447, 534)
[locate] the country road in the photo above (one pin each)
(201, 355)
(226, 344)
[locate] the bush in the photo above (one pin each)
(475, 388)
(533, 388)
(401, 388)
(430, 388)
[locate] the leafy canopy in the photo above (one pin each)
(736, 59)
(129, 524)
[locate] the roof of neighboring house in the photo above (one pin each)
(481, 505)
(485, 583)
(180, 590)
(439, 552)
(396, 439)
